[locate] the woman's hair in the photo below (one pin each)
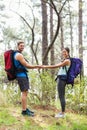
(67, 49)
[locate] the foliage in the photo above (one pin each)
(3, 99)
(2, 73)
(48, 88)
(11, 93)
(42, 88)
(10, 118)
(6, 118)
(76, 97)
(43, 92)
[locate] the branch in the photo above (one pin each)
(63, 6)
(58, 25)
(32, 31)
(57, 30)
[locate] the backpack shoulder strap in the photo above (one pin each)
(70, 65)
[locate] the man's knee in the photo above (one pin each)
(24, 93)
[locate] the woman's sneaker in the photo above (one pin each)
(60, 115)
(27, 113)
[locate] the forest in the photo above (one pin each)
(46, 27)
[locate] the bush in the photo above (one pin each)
(3, 99)
(77, 97)
(42, 88)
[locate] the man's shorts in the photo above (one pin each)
(23, 83)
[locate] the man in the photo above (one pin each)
(22, 77)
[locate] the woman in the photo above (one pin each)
(61, 82)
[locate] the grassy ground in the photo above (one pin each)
(11, 119)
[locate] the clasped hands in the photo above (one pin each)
(42, 66)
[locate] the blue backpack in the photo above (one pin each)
(74, 70)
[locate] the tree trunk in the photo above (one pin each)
(71, 37)
(61, 29)
(44, 32)
(80, 31)
(51, 38)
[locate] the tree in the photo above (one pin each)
(44, 31)
(51, 38)
(80, 23)
(61, 29)
(71, 31)
(52, 3)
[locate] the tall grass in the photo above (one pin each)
(43, 92)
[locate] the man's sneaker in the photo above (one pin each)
(27, 113)
(60, 115)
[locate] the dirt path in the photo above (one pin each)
(44, 116)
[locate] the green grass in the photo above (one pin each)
(6, 118)
(70, 122)
(13, 120)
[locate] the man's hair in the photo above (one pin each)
(19, 42)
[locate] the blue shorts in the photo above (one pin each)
(23, 83)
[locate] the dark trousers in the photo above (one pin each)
(61, 91)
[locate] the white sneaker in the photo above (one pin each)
(60, 115)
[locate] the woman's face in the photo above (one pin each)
(65, 54)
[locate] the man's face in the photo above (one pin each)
(21, 47)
